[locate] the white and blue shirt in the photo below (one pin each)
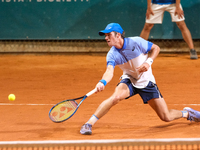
(163, 2)
(132, 55)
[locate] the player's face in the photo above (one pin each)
(111, 38)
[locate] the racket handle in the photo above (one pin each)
(91, 92)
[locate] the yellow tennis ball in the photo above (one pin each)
(11, 97)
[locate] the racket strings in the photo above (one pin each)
(63, 110)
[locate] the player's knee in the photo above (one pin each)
(166, 118)
(116, 99)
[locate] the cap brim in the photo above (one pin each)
(101, 33)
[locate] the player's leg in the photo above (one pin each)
(151, 95)
(160, 107)
(121, 92)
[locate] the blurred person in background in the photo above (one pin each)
(154, 15)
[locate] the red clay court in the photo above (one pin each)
(40, 81)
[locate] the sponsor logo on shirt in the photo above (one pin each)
(133, 48)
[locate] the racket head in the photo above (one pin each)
(63, 110)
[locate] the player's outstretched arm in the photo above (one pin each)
(107, 76)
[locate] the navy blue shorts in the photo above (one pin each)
(149, 92)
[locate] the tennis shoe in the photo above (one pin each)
(193, 54)
(193, 114)
(86, 129)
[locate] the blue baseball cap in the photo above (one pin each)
(111, 27)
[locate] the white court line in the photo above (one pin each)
(186, 104)
(25, 104)
(101, 141)
(179, 104)
(54, 104)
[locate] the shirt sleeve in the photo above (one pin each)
(144, 46)
(110, 59)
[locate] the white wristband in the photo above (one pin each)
(149, 61)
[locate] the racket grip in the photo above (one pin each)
(91, 92)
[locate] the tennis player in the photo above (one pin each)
(134, 56)
(155, 13)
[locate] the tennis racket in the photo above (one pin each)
(67, 108)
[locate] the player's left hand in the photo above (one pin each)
(143, 68)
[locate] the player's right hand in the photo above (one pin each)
(100, 86)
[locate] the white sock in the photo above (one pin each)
(184, 114)
(93, 120)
